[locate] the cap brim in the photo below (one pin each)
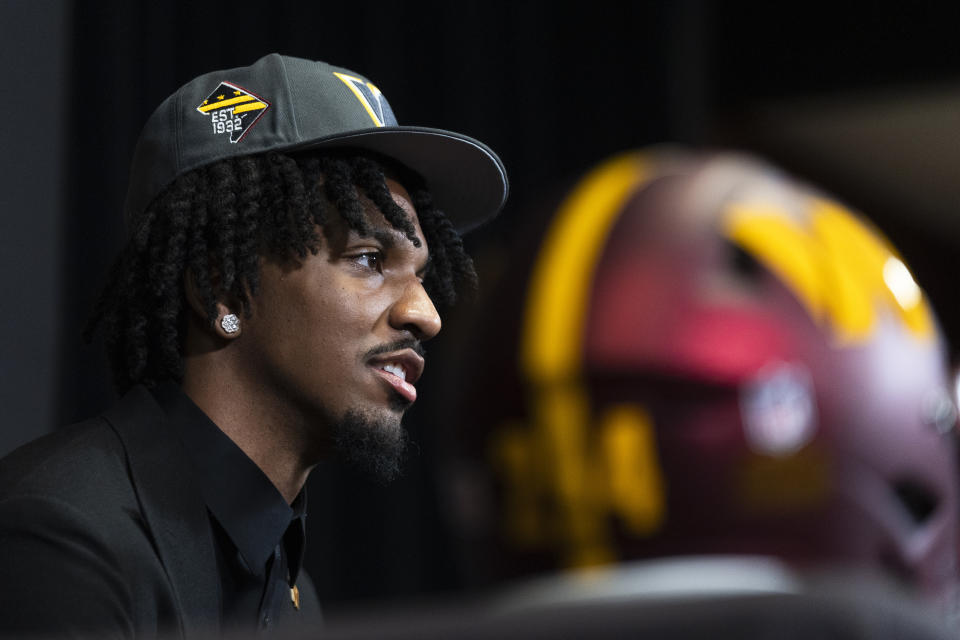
(467, 180)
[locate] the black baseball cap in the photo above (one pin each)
(281, 103)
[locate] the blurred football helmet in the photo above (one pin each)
(713, 358)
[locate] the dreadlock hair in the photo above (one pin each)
(216, 221)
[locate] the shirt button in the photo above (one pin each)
(267, 620)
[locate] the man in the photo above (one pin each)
(288, 242)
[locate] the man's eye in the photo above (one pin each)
(369, 260)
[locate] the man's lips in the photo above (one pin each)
(400, 369)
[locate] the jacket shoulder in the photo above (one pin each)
(84, 460)
(73, 526)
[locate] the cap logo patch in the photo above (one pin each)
(368, 95)
(232, 110)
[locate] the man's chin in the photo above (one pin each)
(373, 442)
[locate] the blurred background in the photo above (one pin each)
(861, 101)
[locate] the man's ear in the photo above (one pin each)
(227, 323)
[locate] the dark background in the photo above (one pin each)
(863, 101)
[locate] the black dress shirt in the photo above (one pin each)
(258, 536)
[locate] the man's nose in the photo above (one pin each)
(414, 312)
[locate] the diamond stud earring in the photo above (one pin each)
(230, 323)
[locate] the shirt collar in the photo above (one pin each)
(250, 509)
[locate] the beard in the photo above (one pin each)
(372, 442)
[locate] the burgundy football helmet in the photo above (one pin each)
(714, 358)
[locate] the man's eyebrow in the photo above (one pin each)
(391, 238)
(388, 238)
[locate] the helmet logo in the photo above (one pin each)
(779, 410)
(569, 474)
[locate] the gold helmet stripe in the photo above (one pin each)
(561, 279)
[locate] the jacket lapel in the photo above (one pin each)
(174, 512)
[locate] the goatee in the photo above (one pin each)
(371, 443)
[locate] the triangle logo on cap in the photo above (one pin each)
(368, 95)
(232, 110)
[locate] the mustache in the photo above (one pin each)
(407, 343)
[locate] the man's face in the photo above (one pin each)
(334, 339)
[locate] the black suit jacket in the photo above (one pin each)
(103, 531)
